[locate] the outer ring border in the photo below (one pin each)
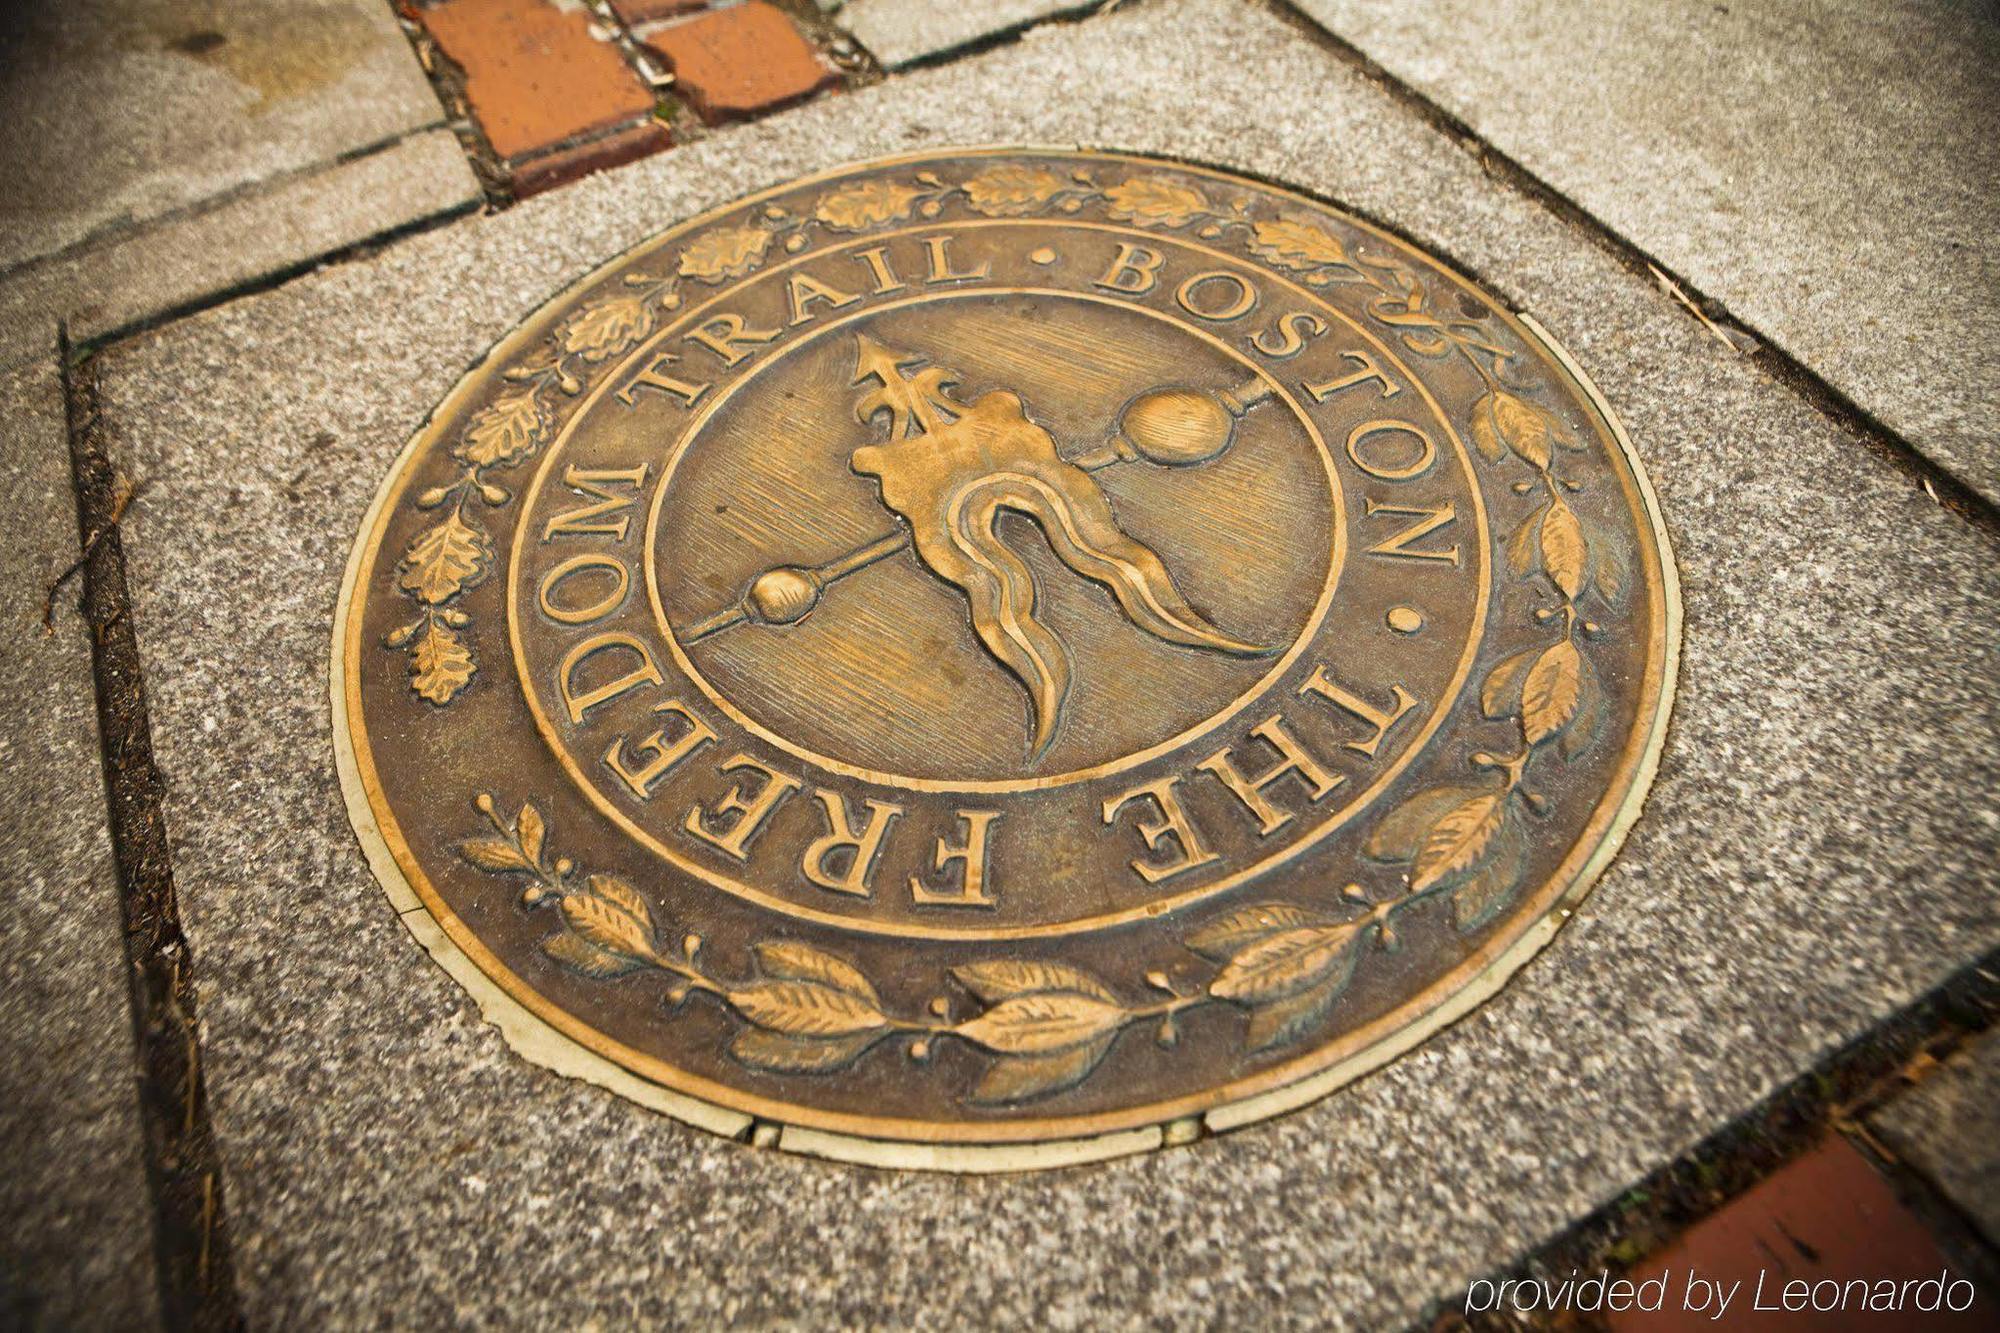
(541, 1042)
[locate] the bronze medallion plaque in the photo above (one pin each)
(1003, 647)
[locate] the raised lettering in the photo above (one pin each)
(1234, 308)
(1292, 330)
(1292, 759)
(1368, 430)
(586, 521)
(621, 582)
(665, 754)
(1187, 850)
(579, 704)
(720, 334)
(1134, 271)
(1327, 688)
(839, 836)
(750, 811)
(877, 259)
(1325, 389)
(654, 376)
(941, 270)
(804, 289)
(972, 854)
(1428, 521)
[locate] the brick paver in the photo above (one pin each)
(740, 61)
(534, 74)
(548, 170)
(1824, 1220)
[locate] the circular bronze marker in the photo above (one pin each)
(1002, 657)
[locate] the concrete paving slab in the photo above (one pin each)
(1826, 171)
(121, 110)
(1948, 1128)
(901, 32)
(193, 256)
(76, 1241)
(1817, 853)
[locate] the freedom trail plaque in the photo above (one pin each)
(1003, 656)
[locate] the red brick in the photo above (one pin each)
(645, 11)
(534, 75)
(1828, 1214)
(548, 170)
(739, 61)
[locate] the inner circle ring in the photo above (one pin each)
(1314, 622)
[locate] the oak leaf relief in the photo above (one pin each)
(1012, 190)
(1153, 202)
(445, 560)
(724, 252)
(608, 328)
(865, 204)
(1296, 244)
(440, 666)
(507, 429)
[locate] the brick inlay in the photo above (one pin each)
(1828, 1216)
(737, 62)
(534, 74)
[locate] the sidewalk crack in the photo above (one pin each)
(191, 1240)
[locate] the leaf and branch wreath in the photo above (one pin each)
(1043, 1025)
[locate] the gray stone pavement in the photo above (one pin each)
(900, 32)
(180, 261)
(1817, 853)
(119, 111)
(1828, 171)
(1948, 1128)
(75, 1212)
(159, 153)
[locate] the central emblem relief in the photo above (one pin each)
(951, 470)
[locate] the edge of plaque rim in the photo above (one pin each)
(540, 1042)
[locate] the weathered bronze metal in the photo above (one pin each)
(1003, 647)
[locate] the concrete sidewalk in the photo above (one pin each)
(1817, 855)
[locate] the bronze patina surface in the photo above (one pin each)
(1003, 647)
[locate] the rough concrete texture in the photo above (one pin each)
(1818, 851)
(75, 1213)
(248, 237)
(1948, 1127)
(120, 110)
(1826, 171)
(900, 32)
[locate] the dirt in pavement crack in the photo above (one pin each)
(197, 1282)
